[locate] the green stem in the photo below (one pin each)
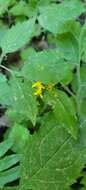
(78, 71)
(7, 69)
(69, 91)
(78, 66)
(1, 58)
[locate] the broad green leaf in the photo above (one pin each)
(8, 161)
(68, 42)
(17, 36)
(24, 8)
(23, 99)
(19, 9)
(5, 146)
(5, 97)
(9, 175)
(19, 135)
(53, 160)
(26, 53)
(75, 29)
(53, 18)
(68, 45)
(19, 97)
(4, 4)
(64, 111)
(13, 115)
(33, 3)
(48, 67)
(64, 116)
(2, 32)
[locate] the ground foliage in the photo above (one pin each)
(42, 95)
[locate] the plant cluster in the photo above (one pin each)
(42, 94)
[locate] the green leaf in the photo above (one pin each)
(64, 111)
(5, 146)
(9, 175)
(17, 36)
(53, 18)
(20, 9)
(68, 45)
(2, 33)
(53, 160)
(48, 67)
(8, 161)
(19, 97)
(19, 135)
(23, 99)
(75, 29)
(83, 182)
(4, 4)
(26, 53)
(65, 116)
(5, 97)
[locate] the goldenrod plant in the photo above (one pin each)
(43, 94)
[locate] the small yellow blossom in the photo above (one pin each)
(38, 93)
(38, 85)
(50, 87)
(39, 88)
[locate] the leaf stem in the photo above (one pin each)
(69, 91)
(1, 57)
(78, 70)
(7, 69)
(78, 66)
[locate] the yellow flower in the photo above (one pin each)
(38, 93)
(38, 85)
(39, 88)
(50, 87)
